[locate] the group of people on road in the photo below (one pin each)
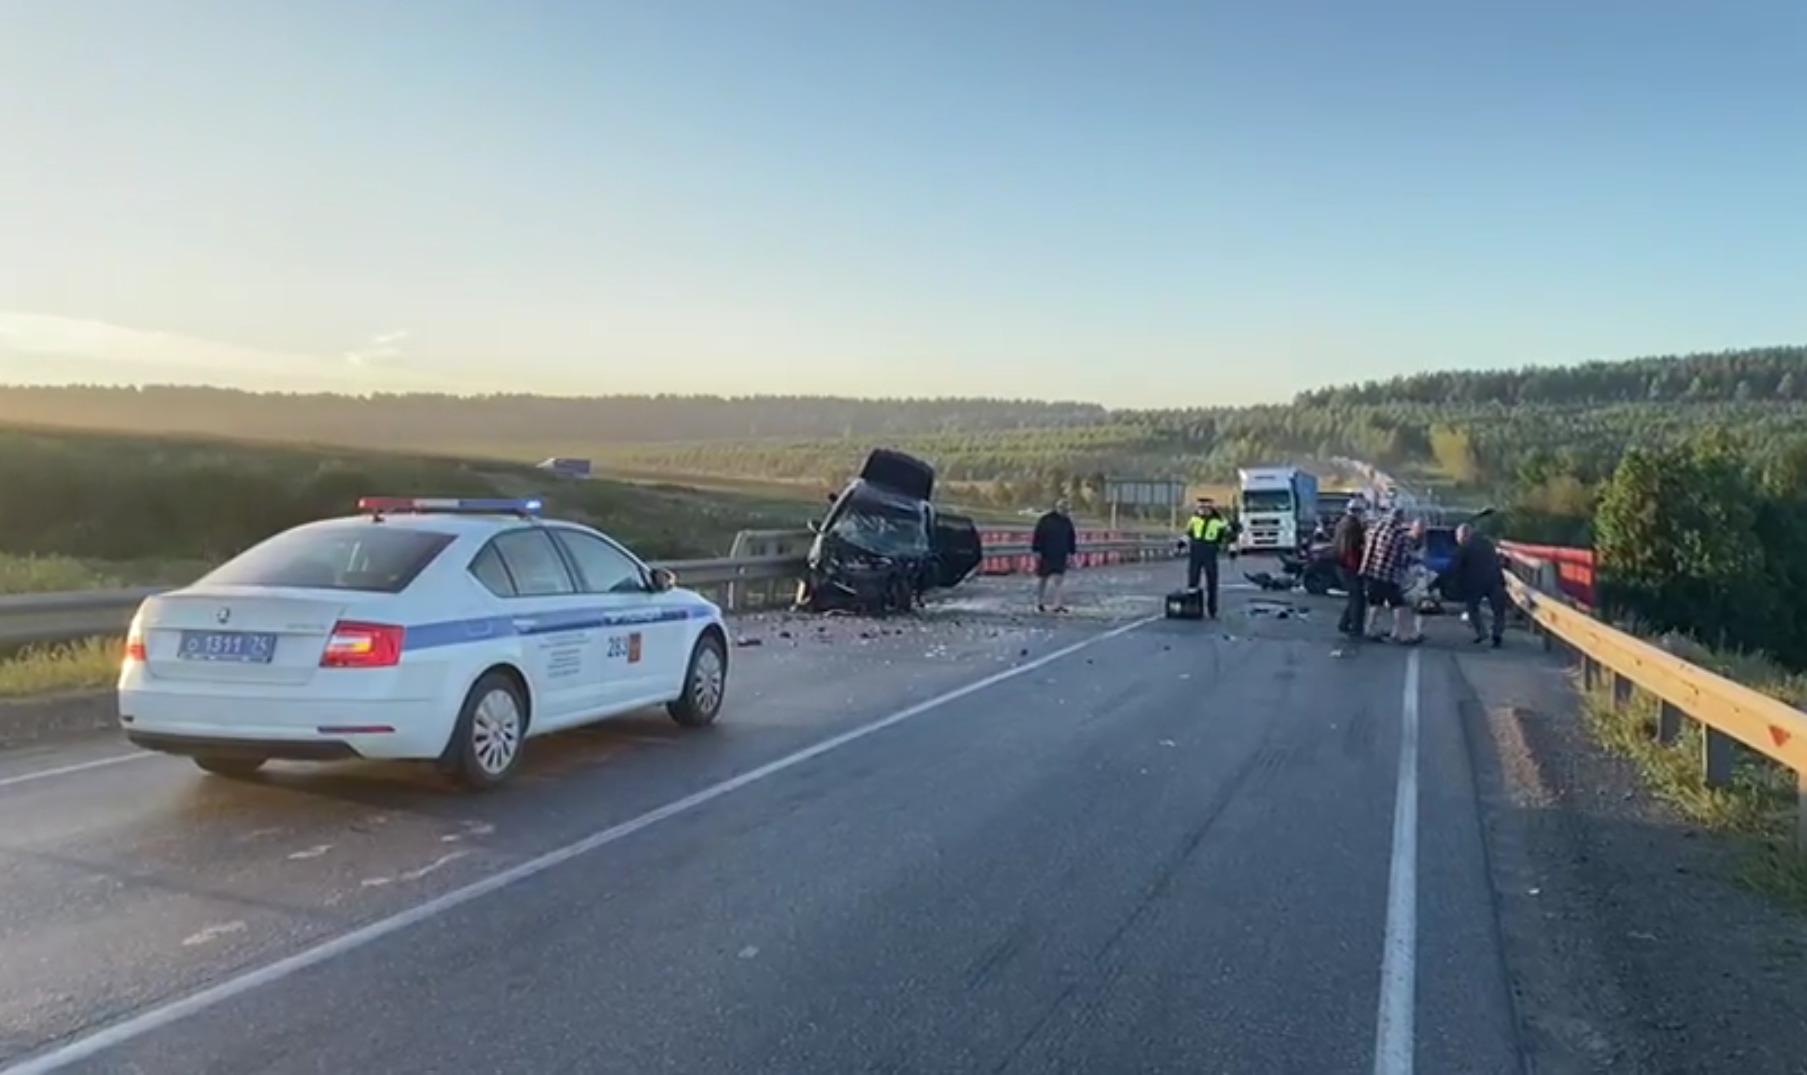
(1055, 541)
(1377, 562)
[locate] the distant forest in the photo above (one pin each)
(1764, 373)
(1544, 440)
(417, 420)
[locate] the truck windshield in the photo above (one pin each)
(1266, 500)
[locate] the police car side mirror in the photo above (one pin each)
(663, 579)
(815, 526)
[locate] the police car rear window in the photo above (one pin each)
(373, 558)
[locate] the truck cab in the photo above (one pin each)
(1277, 508)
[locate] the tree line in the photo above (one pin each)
(1765, 373)
(1541, 443)
(1705, 539)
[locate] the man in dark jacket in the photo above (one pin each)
(1477, 574)
(1347, 543)
(1053, 544)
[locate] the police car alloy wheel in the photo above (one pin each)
(486, 744)
(704, 684)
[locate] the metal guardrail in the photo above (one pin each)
(58, 617)
(738, 582)
(1727, 711)
(53, 617)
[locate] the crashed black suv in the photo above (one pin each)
(883, 544)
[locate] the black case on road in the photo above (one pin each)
(1186, 605)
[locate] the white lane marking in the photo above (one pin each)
(9, 781)
(1393, 1035)
(176, 1010)
(313, 852)
(210, 932)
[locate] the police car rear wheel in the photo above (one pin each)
(705, 683)
(486, 744)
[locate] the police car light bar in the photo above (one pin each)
(423, 505)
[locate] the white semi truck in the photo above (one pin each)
(1277, 507)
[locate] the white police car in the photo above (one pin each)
(424, 628)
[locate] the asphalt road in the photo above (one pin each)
(976, 841)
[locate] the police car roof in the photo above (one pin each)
(459, 523)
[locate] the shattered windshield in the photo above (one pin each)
(883, 528)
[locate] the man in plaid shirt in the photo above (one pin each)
(1383, 570)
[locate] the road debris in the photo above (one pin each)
(213, 933)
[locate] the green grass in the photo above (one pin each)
(47, 574)
(32, 573)
(82, 510)
(1758, 809)
(66, 666)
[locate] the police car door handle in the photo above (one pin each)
(525, 623)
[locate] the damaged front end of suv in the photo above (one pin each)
(872, 553)
(883, 544)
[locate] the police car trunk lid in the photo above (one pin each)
(299, 620)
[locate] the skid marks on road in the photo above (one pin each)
(418, 872)
(211, 933)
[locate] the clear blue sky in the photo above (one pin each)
(1133, 203)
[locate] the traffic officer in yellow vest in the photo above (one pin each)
(1206, 533)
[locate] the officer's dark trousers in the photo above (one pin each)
(1204, 561)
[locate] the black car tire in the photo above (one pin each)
(233, 765)
(705, 684)
(482, 752)
(901, 597)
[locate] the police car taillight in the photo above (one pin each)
(363, 645)
(134, 644)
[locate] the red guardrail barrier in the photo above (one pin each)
(1023, 562)
(1575, 568)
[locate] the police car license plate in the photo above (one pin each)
(246, 647)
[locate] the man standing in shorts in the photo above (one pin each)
(1383, 568)
(1053, 544)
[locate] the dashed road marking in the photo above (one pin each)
(81, 766)
(162, 1015)
(1393, 1035)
